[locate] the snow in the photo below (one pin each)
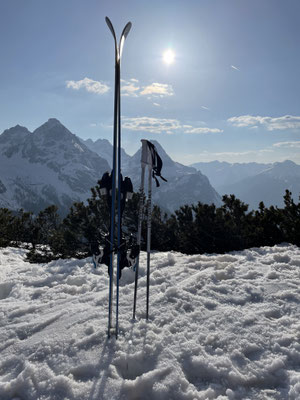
(221, 327)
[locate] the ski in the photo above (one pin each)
(116, 179)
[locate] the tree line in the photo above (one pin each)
(192, 229)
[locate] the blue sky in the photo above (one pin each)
(232, 92)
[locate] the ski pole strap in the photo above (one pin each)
(151, 157)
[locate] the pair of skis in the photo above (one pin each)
(150, 159)
(116, 191)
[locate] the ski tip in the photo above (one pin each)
(126, 30)
(110, 25)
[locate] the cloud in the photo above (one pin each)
(130, 87)
(234, 67)
(243, 153)
(157, 90)
(291, 145)
(163, 125)
(201, 130)
(270, 123)
(262, 156)
(205, 108)
(89, 85)
(151, 125)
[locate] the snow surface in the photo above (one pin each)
(221, 327)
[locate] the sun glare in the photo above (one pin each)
(169, 56)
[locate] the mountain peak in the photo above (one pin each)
(285, 163)
(53, 129)
(17, 129)
(51, 123)
(15, 134)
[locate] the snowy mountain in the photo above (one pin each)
(49, 166)
(254, 182)
(104, 149)
(54, 166)
(269, 185)
(185, 184)
(222, 173)
(221, 327)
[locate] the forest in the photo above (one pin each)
(192, 229)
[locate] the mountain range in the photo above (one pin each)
(51, 165)
(48, 166)
(254, 182)
(185, 185)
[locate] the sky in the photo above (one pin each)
(232, 92)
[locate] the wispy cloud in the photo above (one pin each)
(262, 155)
(201, 130)
(291, 145)
(242, 153)
(151, 125)
(234, 67)
(89, 85)
(163, 125)
(157, 90)
(130, 87)
(270, 123)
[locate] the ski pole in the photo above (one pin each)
(148, 236)
(139, 236)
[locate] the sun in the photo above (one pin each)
(169, 56)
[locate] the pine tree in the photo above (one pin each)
(290, 223)
(6, 223)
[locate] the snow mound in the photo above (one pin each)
(221, 327)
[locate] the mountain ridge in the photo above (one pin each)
(255, 182)
(51, 165)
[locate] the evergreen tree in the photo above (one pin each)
(6, 223)
(267, 226)
(290, 223)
